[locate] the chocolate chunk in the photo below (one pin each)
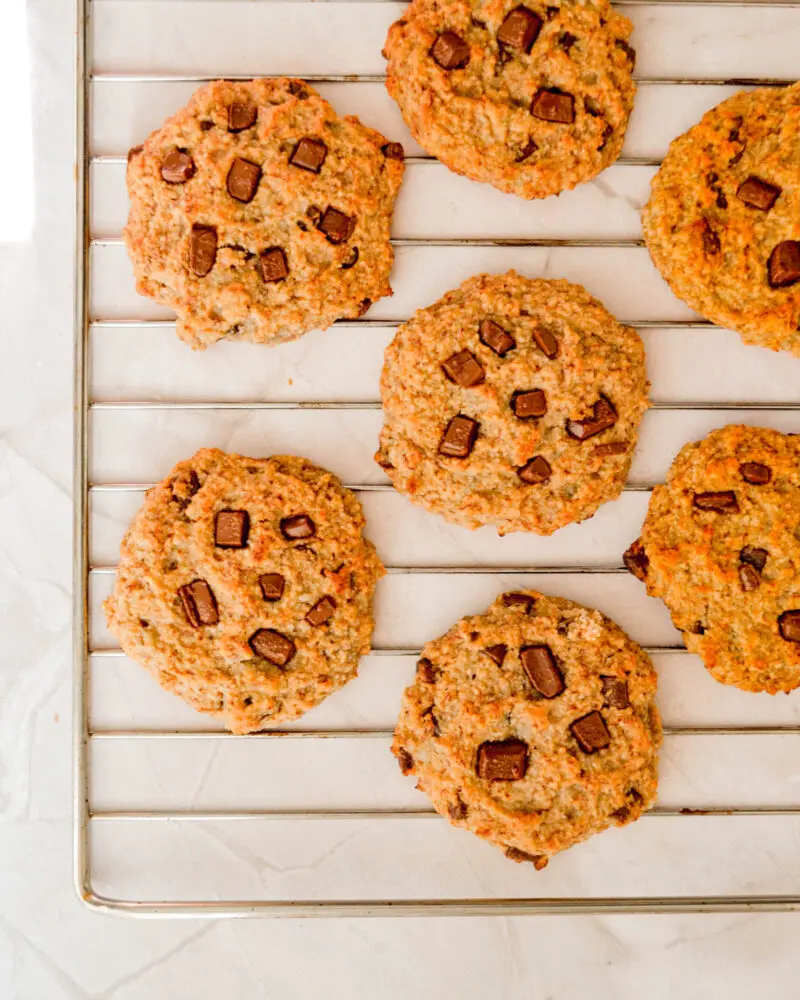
(363, 308)
(298, 526)
(755, 473)
(426, 672)
(527, 150)
(243, 179)
(553, 106)
(458, 439)
(497, 653)
(405, 760)
(758, 194)
(748, 577)
(698, 629)
(272, 646)
(540, 665)
(724, 502)
(754, 557)
(241, 115)
(322, 611)
(206, 126)
(591, 732)
(546, 341)
(603, 416)
(615, 691)
(505, 760)
(272, 586)
(457, 810)
(519, 29)
(273, 265)
(199, 603)
(538, 861)
(636, 561)
(524, 602)
(536, 471)
(450, 51)
(527, 403)
(231, 529)
(495, 337)
(351, 261)
(566, 40)
(711, 244)
(630, 52)
(784, 264)
(337, 226)
(177, 167)
(393, 151)
(297, 89)
(309, 154)
(611, 448)
(464, 369)
(789, 625)
(202, 249)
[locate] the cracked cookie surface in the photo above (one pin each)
(245, 587)
(258, 213)
(533, 725)
(531, 98)
(513, 402)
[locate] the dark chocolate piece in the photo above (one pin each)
(615, 691)
(273, 265)
(611, 448)
(177, 167)
(539, 861)
(519, 29)
(202, 249)
(755, 473)
(495, 337)
(546, 341)
(535, 471)
(404, 760)
(231, 529)
(298, 526)
(603, 416)
(505, 760)
(789, 625)
(711, 244)
(459, 437)
(524, 602)
(722, 502)
(749, 577)
(309, 154)
(322, 611)
(543, 672)
(529, 403)
(272, 586)
(497, 653)
(243, 179)
(450, 51)
(199, 603)
(758, 194)
(393, 151)
(636, 561)
(241, 115)
(336, 226)
(553, 106)
(754, 557)
(591, 732)
(464, 369)
(273, 646)
(426, 672)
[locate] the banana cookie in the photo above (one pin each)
(245, 586)
(723, 221)
(721, 547)
(513, 402)
(533, 725)
(257, 213)
(531, 98)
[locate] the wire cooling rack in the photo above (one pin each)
(174, 816)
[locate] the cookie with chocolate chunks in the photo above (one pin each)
(721, 546)
(531, 98)
(512, 402)
(258, 213)
(722, 220)
(546, 726)
(245, 586)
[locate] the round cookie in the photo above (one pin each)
(245, 586)
(513, 402)
(721, 547)
(257, 213)
(723, 221)
(533, 725)
(531, 98)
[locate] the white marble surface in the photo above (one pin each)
(51, 947)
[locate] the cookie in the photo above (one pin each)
(723, 221)
(533, 725)
(531, 98)
(721, 547)
(513, 402)
(257, 213)
(245, 586)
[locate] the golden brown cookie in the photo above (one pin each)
(721, 547)
(514, 402)
(257, 213)
(723, 221)
(531, 98)
(533, 725)
(245, 586)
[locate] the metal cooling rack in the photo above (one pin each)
(86, 736)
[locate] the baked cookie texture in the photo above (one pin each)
(257, 213)
(721, 547)
(531, 98)
(513, 402)
(245, 587)
(723, 220)
(533, 725)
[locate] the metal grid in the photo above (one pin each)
(84, 571)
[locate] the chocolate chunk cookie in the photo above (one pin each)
(512, 402)
(533, 725)
(245, 586)
(533, 98)
(721, 547)
(723, 221)
(257, 213)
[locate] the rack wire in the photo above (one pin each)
(88, 735)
